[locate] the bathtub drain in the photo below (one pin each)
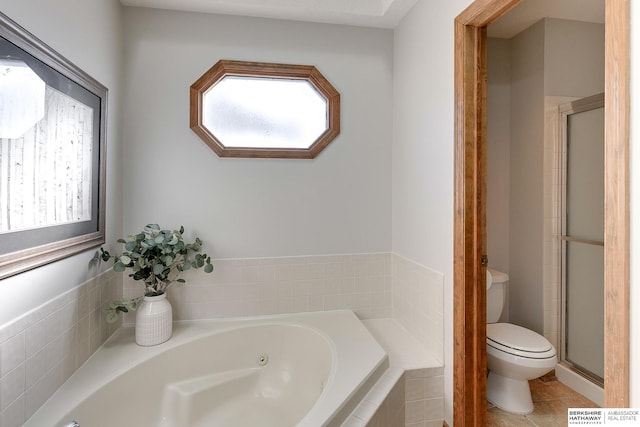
(262, 359)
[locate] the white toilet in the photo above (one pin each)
(515, 354)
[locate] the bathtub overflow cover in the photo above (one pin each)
(263, 359)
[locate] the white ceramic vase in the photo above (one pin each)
(154, 321)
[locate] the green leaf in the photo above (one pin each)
(208, 268)
(158, 268)
(119, 267)
(181, 281)
(112, 316)
(106, 256)
(130, 246)
(125, 260)
(150, 228)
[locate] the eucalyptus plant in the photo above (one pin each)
(157, 257)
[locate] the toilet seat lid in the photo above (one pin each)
(519, 341)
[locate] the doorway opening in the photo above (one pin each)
(470, 207)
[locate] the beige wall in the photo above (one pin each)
(525, 195)
(337, 203)
(498, 148)
(573, 58)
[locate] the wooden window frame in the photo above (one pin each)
(225, 68)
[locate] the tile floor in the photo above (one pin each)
(551, 399)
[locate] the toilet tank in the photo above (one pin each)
(497, 282)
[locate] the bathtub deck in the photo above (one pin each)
(411, 392)
(403, 349)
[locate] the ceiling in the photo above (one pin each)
(379, 13)
(528, 12)
(368, 13)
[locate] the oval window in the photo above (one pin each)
(248, 109)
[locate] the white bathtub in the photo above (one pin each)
(307, 369)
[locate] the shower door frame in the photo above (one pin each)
(564, 111)
(470, 258)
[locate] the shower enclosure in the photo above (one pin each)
(582, 237)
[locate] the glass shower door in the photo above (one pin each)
(582, 220)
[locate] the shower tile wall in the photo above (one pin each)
(552, 299)
(42, 349)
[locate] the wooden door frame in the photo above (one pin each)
(469, 341)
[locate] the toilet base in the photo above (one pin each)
(509, 394)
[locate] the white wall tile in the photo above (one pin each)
(415, 411)
(418, 300)
(415, 389)
(42, 348)
(12, 353)
(11, 386)
(13, 415)
(36, 367)
(434, 387)
(434, 409)
(238, 287)
(35, 338)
